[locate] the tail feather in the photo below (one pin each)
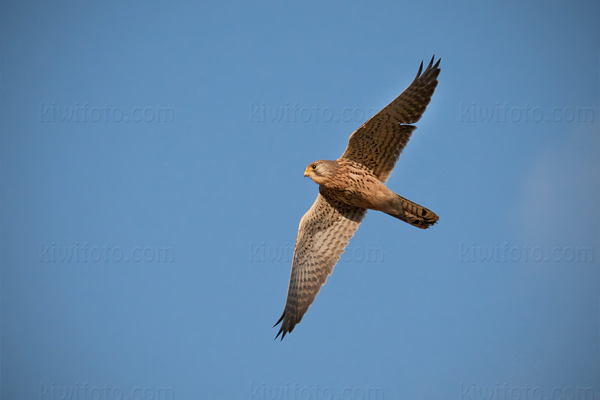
(413, 213)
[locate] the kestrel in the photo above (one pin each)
(351, 185)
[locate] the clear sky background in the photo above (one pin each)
(151, 187)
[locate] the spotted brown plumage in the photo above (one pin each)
(348, 187)
(377, 144)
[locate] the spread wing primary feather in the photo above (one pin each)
(355, 178)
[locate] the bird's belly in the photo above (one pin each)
(373, 195)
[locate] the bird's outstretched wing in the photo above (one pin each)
(377, 144)
(323, 234)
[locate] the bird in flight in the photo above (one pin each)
(351, 185)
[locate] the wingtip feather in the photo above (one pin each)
(281, 332)
(420, 70)
(430, 66)
(279, 320)
(431, 62)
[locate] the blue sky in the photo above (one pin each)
(151, 188)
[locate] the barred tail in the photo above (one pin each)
(413, 213)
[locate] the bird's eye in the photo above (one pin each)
(314, 166)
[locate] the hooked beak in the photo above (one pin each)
(307, 172)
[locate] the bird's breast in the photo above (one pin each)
(358, 188)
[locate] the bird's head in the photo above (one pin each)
(320, 171)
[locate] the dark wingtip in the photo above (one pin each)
(431, 62)
(429, 67)
(280, 333)
(280, 329)
(279, 320)
(420, 69)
